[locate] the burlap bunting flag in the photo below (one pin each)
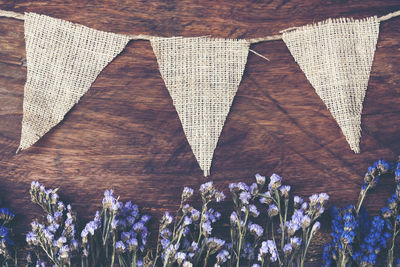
(63, 60)
(202, 75)
(336, 56)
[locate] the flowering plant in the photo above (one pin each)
(288, 244)
(8, 254)
(187, 239)
(356, 238)
(118, 233)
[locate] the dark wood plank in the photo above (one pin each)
(125, 133)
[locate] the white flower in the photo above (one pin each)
(323, 197)
(187, 193)
(180, 257)
(316, 226)
(167, 218)
(260, 179)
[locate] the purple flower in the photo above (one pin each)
(275, 181)
(215, 243)
(207, 188)
(297, 201)
(287, 249)
(273, 210)
(31, 239)
(91, 227)
(316, 227)
(132, 244)
(253, 189)
(242, 186)
(253, 211)
(256, 229)
(223, 256)
(180, 257)
(268, 247)
(219, 196)
(206, 227)
(295, 242)
(233, 217)
(120, 247)
(284, 190)
(165, 243)
(60, 242)
(187, 193)
(314, 199)
(305, 221)
(292, 227)
(167, 218)
(195, 215)
(187, 221)
(244, 197)
(64, 252)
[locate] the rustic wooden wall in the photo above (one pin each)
(126, 135)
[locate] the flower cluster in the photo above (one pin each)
(7, 250)
(356, 238)
(54, 238)
(295, 233)
(187, 239)
(118, 234)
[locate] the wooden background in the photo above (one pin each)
(126, 135)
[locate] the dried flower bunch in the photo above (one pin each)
(281, 239)
(118, 233)
(268, 227)
(187, 239)
(357, 239)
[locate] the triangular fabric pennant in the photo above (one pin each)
(63, 60)
(336, 56)
(202, 75)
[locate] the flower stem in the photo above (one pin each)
(391, 250)
(361, 199)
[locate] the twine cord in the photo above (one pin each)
(276, 37)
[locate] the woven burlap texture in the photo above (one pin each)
(63, 60)
(202, 75)
(336, 56)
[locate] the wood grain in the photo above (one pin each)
(125, 133)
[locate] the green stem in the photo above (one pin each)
(308, 241)
(113, 251)
(273, 238)
(205, 260)
(134, 259)
(280, 218)
(391, 250)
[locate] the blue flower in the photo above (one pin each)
(6, 214)
(397, 172)
(386, 212)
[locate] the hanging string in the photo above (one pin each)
(15, 15)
